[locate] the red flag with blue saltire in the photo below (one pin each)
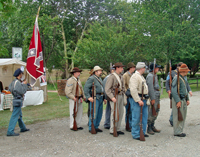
(34, 65)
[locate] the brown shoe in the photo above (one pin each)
(150, 132)
(155, 130)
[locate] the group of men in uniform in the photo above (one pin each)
(133, 91)
(132, 86)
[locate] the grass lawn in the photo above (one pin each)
(52, 109)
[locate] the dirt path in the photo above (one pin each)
(53, 138)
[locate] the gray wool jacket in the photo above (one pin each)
(17, 88)
(153, 87)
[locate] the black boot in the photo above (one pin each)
(149, 130)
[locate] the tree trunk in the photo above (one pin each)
(65, 51)
(81, 37)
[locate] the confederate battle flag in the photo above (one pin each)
(34, 65)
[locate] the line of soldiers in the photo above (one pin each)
(132, 86)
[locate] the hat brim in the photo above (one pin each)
(184, 70)
(97, 70)
(131, 67)
(119, 66)
(76, 71)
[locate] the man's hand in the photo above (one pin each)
(178, 105)
(152, 102)
(190, 92)
(141, 103)
(74, 98)
(91, 99)
(25, 82)
(188, 102)
(114, 100)
(104, 101)
(169, 93)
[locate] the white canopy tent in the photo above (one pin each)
(7, 69)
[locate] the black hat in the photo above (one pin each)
(17, 72)
(152, 66)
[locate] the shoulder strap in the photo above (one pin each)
(183, 81)
(118, 79)
(98, 80)
(15, 83)
(13, 91)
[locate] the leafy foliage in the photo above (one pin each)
(89, 33)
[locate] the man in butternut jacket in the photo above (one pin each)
(115, 80)
(70, 91)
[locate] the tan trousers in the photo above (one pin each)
(120, 106)
(179, 125)
(78, 115)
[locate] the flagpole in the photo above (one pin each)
(38, 11)
(37, 17)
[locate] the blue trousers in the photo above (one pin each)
(107, 115)
(16, 116)
(99, 113)
(135, 108)
(130, 116)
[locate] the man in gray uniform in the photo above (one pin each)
(173, 74)
(96, 79)
(154, 94)
(18, 90)
(180, 99)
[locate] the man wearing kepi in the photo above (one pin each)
(115, 80)
(154, 93)
(135, 85)
(127, 76)
(18, 90)
(180, 99)
(70, 91)
(98, 100)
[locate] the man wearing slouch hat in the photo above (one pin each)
(98, 99)
(70, 91)
(180, 99)
(127, 76)
(116, 80)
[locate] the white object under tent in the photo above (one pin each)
(7, 69)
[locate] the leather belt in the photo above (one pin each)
(146, 96)
(80, 97)
(157, 89)
(101, 94)
(183, 97)
(120, 93)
